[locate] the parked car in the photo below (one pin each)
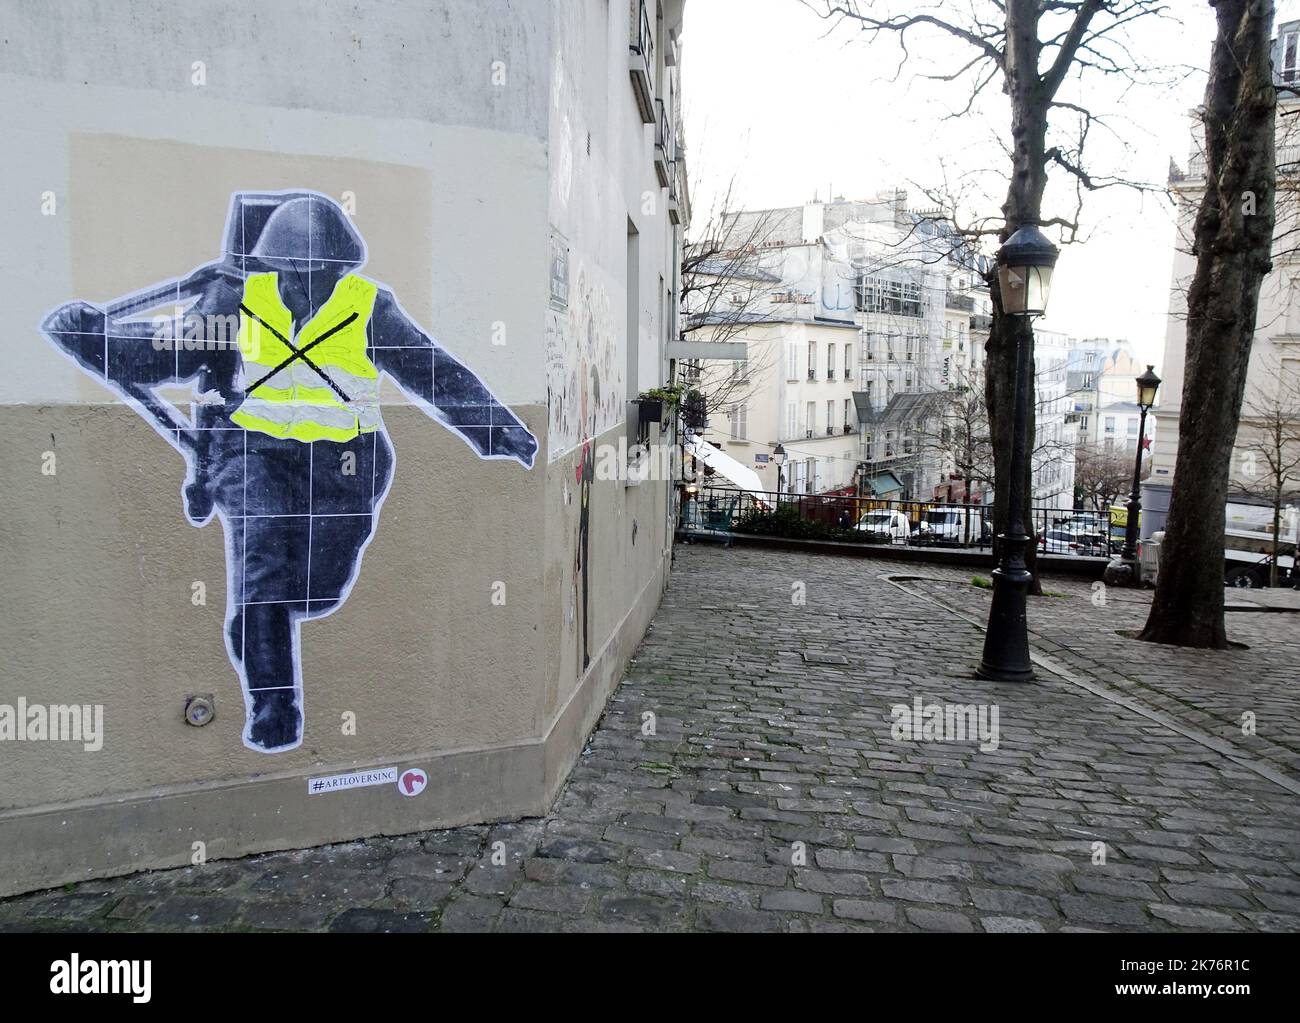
(885, 524)
(950, 524)
(1090, 531)
(1060, 541)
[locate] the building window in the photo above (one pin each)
(848, 411)
(877, 295)
(791, 420)
(811, 424)
(740, 423)
(1290, 45)
(1110, 424)
(812, 361)
(830, 362)
(740, 369)
(848, 356)
(792, 369)
(830, 416)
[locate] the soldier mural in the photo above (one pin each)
(286, 444)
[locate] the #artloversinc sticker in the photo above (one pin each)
(410, 782)
(355, 780)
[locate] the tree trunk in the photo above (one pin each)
(1232, 241)
(1023, 205)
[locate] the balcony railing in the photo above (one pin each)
(848, 427)
(663, 145)
(830, 374)
(641, 59)
(812, 374)
(962, 303)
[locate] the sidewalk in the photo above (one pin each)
(1122, 794)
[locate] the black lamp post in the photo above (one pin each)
(1126, 570)
(778, 456)
(1025, 264)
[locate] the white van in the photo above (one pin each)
(885, 524)
(948, 524)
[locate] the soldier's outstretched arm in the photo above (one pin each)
(445, 387)
(126, 355)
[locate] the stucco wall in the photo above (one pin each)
(456, 136)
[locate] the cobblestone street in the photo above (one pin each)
(1123, 794)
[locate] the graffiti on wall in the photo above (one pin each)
(585, 397)
(582, 345)
(284, 344)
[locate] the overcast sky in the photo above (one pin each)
(793, 112)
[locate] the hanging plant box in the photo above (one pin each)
(652, 410)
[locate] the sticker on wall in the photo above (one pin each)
(412, 782)
(283, 344)
(354, 780)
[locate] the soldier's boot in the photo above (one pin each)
(275, 719)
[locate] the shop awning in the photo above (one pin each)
(719, 461)
(885, 484)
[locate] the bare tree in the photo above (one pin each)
(961, 437)
(726, 288)
(1032, 47)
(1101, 474)
(1232, 240)
(958, 432)
(1271, 458)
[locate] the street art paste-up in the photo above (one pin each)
(584, 393)
(581, 338)
(286, 443)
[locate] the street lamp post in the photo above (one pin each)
(778, 456)
(1025, 264)
(1126, 570)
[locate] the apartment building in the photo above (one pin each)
(1054, 444)
(872, 312)
(1100, 382)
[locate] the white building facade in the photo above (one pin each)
(874, 311)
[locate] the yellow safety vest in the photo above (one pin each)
(285, 396)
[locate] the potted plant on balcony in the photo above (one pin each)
(656, 400)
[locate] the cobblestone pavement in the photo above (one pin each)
(772, 796)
